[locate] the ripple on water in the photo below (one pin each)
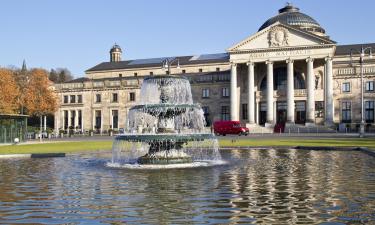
(255, 186)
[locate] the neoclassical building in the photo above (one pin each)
(288, 72)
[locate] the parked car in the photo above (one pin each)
(229, 127)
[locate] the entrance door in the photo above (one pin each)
(281, 112)
(262, 113)
(300, 112)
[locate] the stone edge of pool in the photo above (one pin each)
(315, 148)
(34, 155)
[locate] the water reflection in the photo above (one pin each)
(259, 186)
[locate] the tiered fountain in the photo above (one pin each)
(165, 128)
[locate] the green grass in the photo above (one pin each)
(66, 147)
(338, 142)
(80, 146)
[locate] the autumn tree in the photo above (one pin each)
(41, 99)
(9, 92)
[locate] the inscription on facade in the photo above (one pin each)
(282, 53)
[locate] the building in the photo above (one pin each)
(290, 71)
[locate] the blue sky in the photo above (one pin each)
(78, 34)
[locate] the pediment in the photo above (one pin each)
(278, 36)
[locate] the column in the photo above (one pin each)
(82, 121)
(329, 93)
(233, 93)
(69, 119)
(111, 119)
(75, 119)
(63, 112)
(270, 118)
(290, 92)
(250, 94)
(310, 103)
(44, 123)
(93, 120)
(57, 121)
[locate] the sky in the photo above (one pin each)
(78, 34)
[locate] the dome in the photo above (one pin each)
(115, 48)
(291, 15)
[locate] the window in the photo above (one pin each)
(369, 111)
(244, 112)
(206, 114)
(98, 98)
(225, 92)
(72, 99)
(200, 70)
(66, 119)
(346, 87)
(98, 119)
(370, 86)
(114, 97)
(120, 75)
(205, 93)
(205, 78)
(217, 69)
(346, 112)
(114, 119)
(225, 113)
(183, 71)
(319, 109)
(223, 77)
(132, 96)
(167, 72)
(79, 98)
(151, 73)
(135, 74)
(66, 99)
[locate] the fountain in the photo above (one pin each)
(165, 128)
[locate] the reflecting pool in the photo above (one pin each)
(256, 186)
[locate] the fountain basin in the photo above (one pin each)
(148, 138)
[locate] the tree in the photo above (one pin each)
(53, 76)
(22, 78)
(9, 92)
(41, 100)
(64, 75)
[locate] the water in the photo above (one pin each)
(257, 186)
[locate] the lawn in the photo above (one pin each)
(66, 147)
(90, 145)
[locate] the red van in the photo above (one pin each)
(229, 127)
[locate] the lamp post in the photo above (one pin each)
(168, 62)
(362, 55)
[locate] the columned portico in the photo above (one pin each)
(310, 100)
(233, 93)
(290, 91)
(270, 110)
(251, 91)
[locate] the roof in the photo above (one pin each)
(157, 62)
(191, 60)
(78, 80)
(345, 49)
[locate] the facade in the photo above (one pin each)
(289, 72)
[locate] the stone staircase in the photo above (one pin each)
(257, 129)
(299, 128)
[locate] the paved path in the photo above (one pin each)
(228, 137)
